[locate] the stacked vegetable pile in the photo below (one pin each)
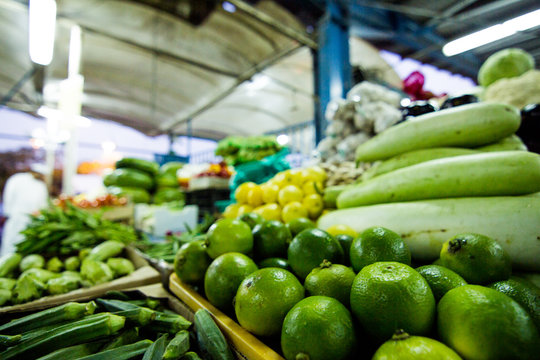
(31, 277)
(237, 150)
(112, 329)
(288, 195)
(143, 181)
(432, 185)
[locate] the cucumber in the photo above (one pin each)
(211, 340)
(150, 167)
(485, 174)
(130, 178)
(512, 142)
(412, 158)
(425, 225)
(469, 126)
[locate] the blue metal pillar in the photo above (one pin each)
(331, 65)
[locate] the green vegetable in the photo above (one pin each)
(412, 158)
(130, 178)
(190, 355)
(505, 63)
(56, 315)
(166, 181)
(517, 91)
(171, 168)
(8, 264)
(32, 261)
(426, 225)
(73, 352)
(28, 288)
(106, 250)
(470, 125)
(42, 275)
(66, 335)
(165, 195)
(72, 263)
(139, 317)
(120, 266)
(124, 352)
(512, 142)
(485, 174)
(149, 167)
(5, 296)
(95, 272)
(84, 253)
(7, 284)
(128, 336)
(62, 285)
(67, 231)
(71, 274)
(113, 305)
(177, 347)
(9, 340)
(136, 195)
(55, 265)
(210, 338)
(168, 323)
(156, 350)
(331, 193)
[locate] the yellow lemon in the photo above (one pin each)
(313, 187)
(269, 192)
(280, 179)
(231, 211)
(270, 211)
(255, 196)
(244, 209)
(293, 210)
(241, 192)
(340, 229)
(289, 194)
(318, 173)
(314, 205)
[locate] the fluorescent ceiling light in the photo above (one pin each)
(41, 27)
(227, 6)
(493, 33)
(74, 51)
(282, 139)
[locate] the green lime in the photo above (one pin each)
(333, 280)
(440, 279)
(275, 262)
(264, 298)
(271, 239)
(345, 241)
(524, 293)
(477, 258)
(481, 323)
(378, 244)
(191, 262)
(252, 219)
(317, 328)
(297, 225)
(387, 296)
(223, 277)
(402, 346)
(229, 235)
(309, 248)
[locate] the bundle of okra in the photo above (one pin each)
(112, 329)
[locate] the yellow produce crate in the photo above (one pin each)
(242, 340)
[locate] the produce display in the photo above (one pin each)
(300, 288)
(143, 181)
(82, 201)
(33, 276)
(288, 195)
(117, 326)
(237, 150)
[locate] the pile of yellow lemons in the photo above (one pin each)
(290, 194)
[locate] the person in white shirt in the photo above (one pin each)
(24, 194)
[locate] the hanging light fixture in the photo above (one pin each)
(41, 28)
